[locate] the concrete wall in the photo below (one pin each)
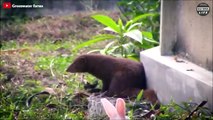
(168, 26)
(182, 33)
(178, 81)
(186, 33)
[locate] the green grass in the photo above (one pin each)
(47, 58)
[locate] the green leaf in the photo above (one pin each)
(110, 44)
(129, 47)
(133, 26)
(139, 96)
(93, 51)
(149, 37)
(150, 40)
(107, 21)
(147, 34)
(131, 114)
(120, 23)
(128, 23)
(134, 57)
(134, 34)
(111, 51)
(144, 16)
(147, 45)
(109, 29)
(107, 48)
(95, 40)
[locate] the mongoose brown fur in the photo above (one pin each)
(117, 74)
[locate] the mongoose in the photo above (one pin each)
(117, 74)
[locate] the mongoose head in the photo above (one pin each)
(79, 65)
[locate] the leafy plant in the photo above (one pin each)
(133, 8)
(126, 39)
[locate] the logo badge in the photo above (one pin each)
(203, 9)
(6, 5)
